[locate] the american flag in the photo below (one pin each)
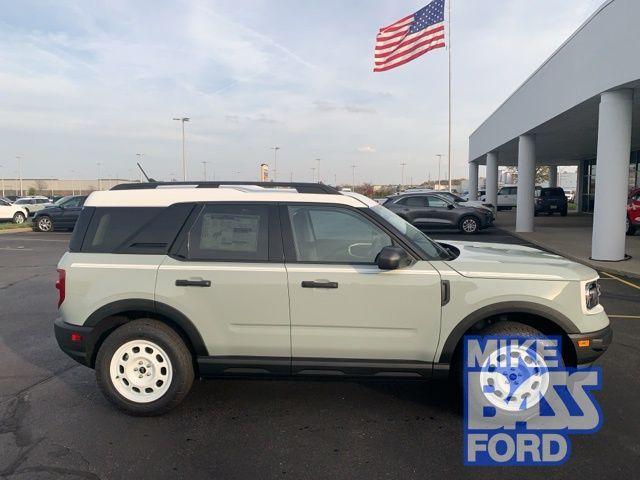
(410, 37)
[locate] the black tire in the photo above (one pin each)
(178, 354)
(631, 229)
(19, 217)
(506, 328)
(44, 224)
(469, 225)
(564, 212)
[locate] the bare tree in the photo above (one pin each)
(41, 186)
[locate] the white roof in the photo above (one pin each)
(162, 197)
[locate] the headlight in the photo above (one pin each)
(592, 294)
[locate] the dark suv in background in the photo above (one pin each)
(62, 215)
(551, 200)
(433, 210)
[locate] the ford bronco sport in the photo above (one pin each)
(163, 283)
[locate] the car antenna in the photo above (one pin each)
(150, 180)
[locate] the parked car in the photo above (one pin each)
(160, 285)
(550, 200)
(433, 210)
(571, 195)
(60, 216)
(15, 213)
(466, 202)
(33, 203)
(633, 211)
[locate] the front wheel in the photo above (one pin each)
(44, 224)
(469, 225)
(631, 229)
(144, 368)
(19, 217)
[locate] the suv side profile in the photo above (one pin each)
(435, 210)
(162, 285)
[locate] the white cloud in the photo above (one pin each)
(366, 149)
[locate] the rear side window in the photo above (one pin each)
(413, 201)
(229, 233)
(110, 227)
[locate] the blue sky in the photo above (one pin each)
(86, 82)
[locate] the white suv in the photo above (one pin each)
(163, 284)
(13, 212)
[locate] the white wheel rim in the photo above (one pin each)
(469, 225)
(141, 371)
(19, 218)
(514, 388)
(44, 224)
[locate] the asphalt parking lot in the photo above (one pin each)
(54, 423)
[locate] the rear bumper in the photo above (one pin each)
(80, 349)
(589, 346)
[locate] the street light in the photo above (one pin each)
(184, 158)
(204, 170)
(275, 162)
(403, 164)
(19, 158)
(2, 180)
(99, 176)
(319, 179)
(353, 177)
(439, 155)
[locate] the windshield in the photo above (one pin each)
(431, 249)
(62, 200)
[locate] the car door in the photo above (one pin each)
(343, 307)
(413, 208)
(70, 212)
(226, 274)
(6, 210)
(441, 212)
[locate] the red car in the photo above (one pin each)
(633, 211)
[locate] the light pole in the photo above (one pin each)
(184, 158)
(2, 180)
(99, 176)
(403, 164)
(439, 155)
(73, 183)
(19, 158)
(275, 162)
(204, 170)
(318, 160)
(353, 177)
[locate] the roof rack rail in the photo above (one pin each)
(301, 187)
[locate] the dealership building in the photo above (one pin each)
(581, 107)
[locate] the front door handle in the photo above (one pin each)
(193, 283)
(319, 284)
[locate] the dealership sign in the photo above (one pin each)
(522, 404)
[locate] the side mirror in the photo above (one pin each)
(449, 206)
(391, 258)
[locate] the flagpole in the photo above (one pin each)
(449, 18)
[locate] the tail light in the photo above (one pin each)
(61, 285)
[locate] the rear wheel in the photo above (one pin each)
(631, 229)
(44, 224)
(144, 368)
(564, 212)
(469, 225)
(19, 217)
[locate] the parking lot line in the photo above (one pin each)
(621, 280)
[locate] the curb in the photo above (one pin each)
(15, 230)
(572, 257)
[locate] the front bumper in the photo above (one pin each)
(80, 348)
(589, 346)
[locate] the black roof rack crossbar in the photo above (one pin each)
(300, 187)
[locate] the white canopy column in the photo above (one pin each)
(526, 183)
(492, 178)
(473, 181)
(553, 176)
(614, 149)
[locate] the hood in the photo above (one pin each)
(516, 262)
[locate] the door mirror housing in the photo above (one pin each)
(392, 258)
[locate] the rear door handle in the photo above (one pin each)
(193, 283)
(320, 284)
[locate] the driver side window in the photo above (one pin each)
(324, 234)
